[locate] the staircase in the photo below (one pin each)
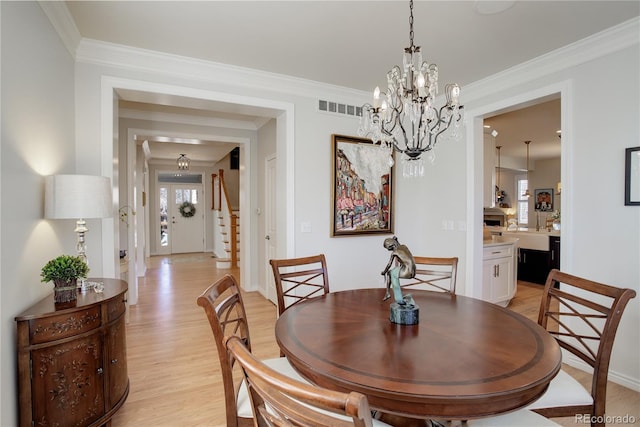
(227, 231)
(227, 245)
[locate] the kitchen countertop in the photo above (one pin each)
(521, 230)
(498, 240)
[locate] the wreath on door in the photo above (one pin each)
(187, 209)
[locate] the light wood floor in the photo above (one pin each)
(172, 361)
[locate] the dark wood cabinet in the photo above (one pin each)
(554, 246)
(534, 265)
(72, 362)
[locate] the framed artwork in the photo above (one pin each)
(632, 177)
(362, 187)
(543, 199)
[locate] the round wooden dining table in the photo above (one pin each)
(465, 359)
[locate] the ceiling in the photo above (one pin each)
(353, 43)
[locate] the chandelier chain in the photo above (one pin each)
(411, 24)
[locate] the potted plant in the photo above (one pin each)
(64, 271)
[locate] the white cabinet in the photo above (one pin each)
(499, 273)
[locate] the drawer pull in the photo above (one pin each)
(114, 361)
(99, 371)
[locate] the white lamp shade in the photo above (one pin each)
(77, 197)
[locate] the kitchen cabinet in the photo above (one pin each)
(499, 272)
(534, 265)
(72, 362)
(554, 246)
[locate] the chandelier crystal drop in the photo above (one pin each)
(405, 117)
(183, 162)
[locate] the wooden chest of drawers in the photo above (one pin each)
(72, 362)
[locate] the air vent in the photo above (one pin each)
(338, 108)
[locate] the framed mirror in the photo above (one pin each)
(632, 176)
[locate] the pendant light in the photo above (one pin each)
(494, 133)
(527, 193)
(498, 191)
(183, 162)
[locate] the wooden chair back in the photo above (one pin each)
(583, 316)
(434, 273)
(298, 279)
(278, 400)
(222, 302)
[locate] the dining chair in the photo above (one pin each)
(278, 400)
(432, 272)
(298, 279)
(222, 302)
(583, 316)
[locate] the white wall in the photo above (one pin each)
(37, 140)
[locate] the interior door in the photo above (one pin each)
(181, 231)
(270, 226)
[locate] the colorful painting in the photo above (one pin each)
(362, 187)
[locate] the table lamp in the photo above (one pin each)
(78, 197)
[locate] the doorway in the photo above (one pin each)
(115, 90)
(476, 151)
(181, 218)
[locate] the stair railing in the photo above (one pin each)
(221, 196)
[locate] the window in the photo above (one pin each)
(522, 184)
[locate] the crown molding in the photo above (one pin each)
(65, 26)
(595, 46)
(184, 119)
(124, 57)
(101, 53)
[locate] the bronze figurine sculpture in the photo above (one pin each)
(401, 265)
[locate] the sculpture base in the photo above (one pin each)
(405, 314)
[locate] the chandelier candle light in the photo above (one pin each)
(405, 117)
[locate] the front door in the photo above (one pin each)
(181, 218)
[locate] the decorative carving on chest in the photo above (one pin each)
(70, 382)
(72, 323)
(53, 358)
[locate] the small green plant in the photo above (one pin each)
(64, 268)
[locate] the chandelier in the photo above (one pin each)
(183, 162)
(405, 117)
